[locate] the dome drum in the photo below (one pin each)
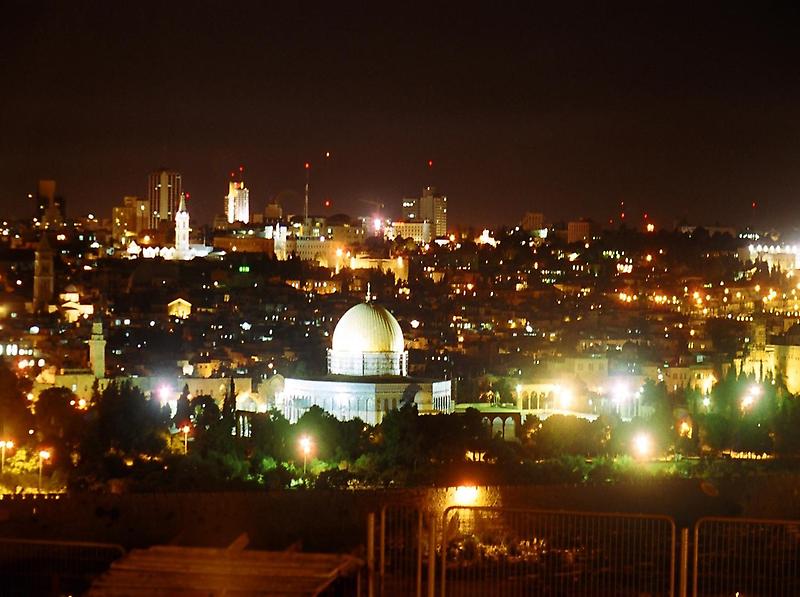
(368, 363)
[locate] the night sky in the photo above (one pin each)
(683, 110)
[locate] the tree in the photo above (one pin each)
(15, 418)
(183, 409)
(59, 422)
(126, 423)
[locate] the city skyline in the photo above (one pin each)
(679, 113)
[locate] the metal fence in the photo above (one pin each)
(29, 567)
(402, 544)
(505, 552)
(740, 556)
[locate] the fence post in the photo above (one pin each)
(684, 568)
(382, 552)
(371, 554)
(419, 553)
(432, 557)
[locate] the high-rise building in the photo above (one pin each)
(579, 231)
(182, 250)
(430, 207)
(45, 197)
(43, 275)
(164, 188)
(273, 211)
(129, 219)
(532, 221)
(50, 208)
(237, 201)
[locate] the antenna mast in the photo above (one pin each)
(308, 189)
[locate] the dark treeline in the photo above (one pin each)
(122, 437)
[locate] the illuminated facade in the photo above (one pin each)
(182, 248)
(430, 207)
(367, 373)
(237, 202)
(164, 188)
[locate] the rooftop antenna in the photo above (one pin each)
(308, 188)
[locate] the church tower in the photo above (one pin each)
(182, 250)
(97, 350)
(43, 275)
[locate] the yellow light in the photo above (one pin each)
(44, 454)
(185, 429)
(466, 495)
(685, 429)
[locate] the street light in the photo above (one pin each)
(6, 443)
(305, 447)
(43, 455)
(642, 446)
(750, 398)
(185, 430)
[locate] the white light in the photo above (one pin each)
(34, 329)
(415, 323)
(642, 445)
(164, 393)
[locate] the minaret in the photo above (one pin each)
(43, 276)
(182, 250)
(97, 350)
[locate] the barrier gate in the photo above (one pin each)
(471, 551)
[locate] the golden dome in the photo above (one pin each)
(367, 328)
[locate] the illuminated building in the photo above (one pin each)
(532, 221)
(164, 190)
(783, 257)
(430, 207)
(579, 231)
(129, 219)
(273, 211)
(97, 350)
(367, 373)
(237, 201)
(420, 232)
(182, 249)
(43, 275)
(50, 208)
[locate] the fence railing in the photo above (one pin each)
(507, 552)
(741, 556)
(402, 546)
(52, 567)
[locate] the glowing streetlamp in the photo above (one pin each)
(4, 444)
(642, 446)
(43, 455)
(750, 398)
(305, 448)
(185, 430)
(564, 398)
